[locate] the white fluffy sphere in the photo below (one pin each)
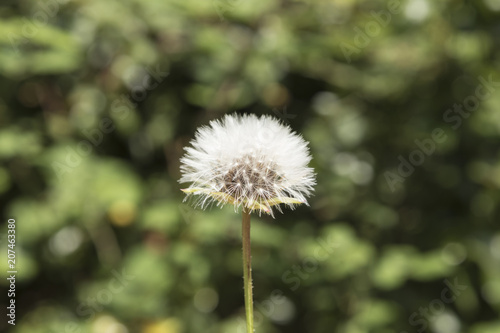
(248, 161)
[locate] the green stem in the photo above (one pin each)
(247, 270)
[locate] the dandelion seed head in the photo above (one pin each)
(257, 163)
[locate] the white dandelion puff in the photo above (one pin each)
(250, 162)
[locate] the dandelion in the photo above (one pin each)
(252, 163)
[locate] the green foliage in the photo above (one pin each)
(400, 103)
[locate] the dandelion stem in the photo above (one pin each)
(247, 269)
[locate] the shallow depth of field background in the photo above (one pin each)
(400, 101)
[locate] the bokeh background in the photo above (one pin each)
(400, 101)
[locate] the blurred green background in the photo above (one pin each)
(400, 101)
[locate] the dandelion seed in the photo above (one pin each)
(229, 151)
